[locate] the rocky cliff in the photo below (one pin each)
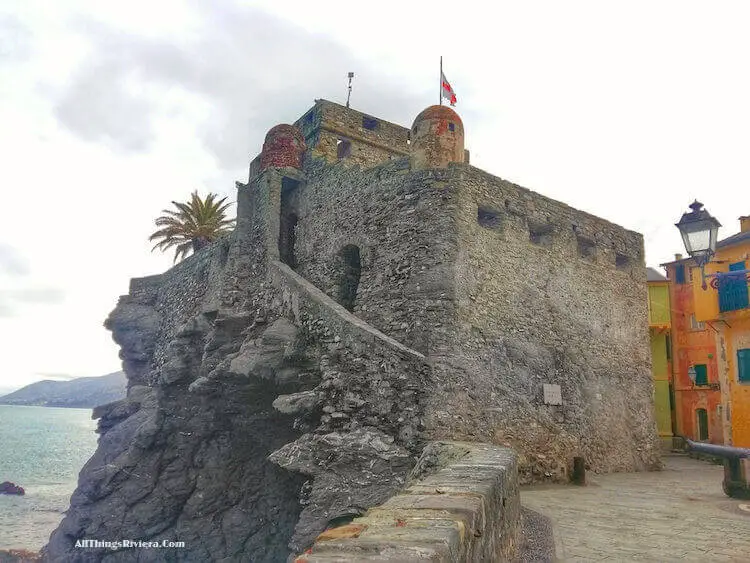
(253, 419)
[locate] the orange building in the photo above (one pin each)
(697, 399)
(725, 307)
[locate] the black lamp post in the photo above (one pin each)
(699, 232)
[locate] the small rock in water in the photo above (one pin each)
(8, 488)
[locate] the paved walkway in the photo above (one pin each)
(679, 514)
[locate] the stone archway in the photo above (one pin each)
(288, 219)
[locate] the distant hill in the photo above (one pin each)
(81, 393)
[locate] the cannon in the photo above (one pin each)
(736, 469)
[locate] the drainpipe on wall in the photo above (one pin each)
(723, 368)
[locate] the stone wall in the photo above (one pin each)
(403, 225)
(501, 287)
(157, 306)
(547, 294)
(372, 141)
(504, 289)
(462, 504)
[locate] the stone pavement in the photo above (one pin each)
(679, 514)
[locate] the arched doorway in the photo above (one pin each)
(351, 269)
(288, 221)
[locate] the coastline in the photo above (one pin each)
(19, 556)
(45, 449)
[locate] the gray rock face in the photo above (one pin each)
(351, 472)
(263, 356)
(207, 449)
(136, 332)
(300, 403)
(182, 466)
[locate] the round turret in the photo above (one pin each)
(437, 138)
(284, 146)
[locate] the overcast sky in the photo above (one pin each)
(109, 110)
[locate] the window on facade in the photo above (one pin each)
(690, 275)
(621, 261)
(541, 233)
(679, 273)
(343, 148)
(743, 365)
(586, 248)
(451, 126)
(701, 374)
(695, 325)
(488, 218)
(369, 123)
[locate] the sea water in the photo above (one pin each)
(42, 449)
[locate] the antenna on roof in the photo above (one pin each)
(351, 75)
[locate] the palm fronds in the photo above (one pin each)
(192, 225)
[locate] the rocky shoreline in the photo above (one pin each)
(18, 556)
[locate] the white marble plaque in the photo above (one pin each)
(552, 394)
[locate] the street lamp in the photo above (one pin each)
(699, 232)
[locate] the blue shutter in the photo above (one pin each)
(743, 365)
(679, 272)
(733, 292)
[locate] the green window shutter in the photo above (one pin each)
(733, 292)
(701, 374)
(743, 365)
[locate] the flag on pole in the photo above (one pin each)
(446, 89)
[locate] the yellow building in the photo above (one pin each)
(724, 307)
(659, 322)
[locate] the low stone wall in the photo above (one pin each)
(304, 299)
(462, 505)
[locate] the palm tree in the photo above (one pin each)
(193, 225)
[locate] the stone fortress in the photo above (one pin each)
(379, 300)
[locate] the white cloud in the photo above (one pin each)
(628, 110)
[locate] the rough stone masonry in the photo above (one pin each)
(378, 293)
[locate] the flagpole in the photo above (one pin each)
(440, 82)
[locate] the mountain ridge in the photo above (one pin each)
(82, 392)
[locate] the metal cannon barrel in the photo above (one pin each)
(727, 452)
